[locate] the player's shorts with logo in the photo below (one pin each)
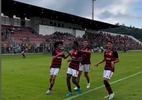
(72, 72)
(54, 71)
(107, 74)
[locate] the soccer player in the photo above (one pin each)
(110, 57)
(85, 64)
(57, 56)
(23, 49)
(72, 71)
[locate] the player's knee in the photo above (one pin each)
(52, 80)
(74, 80)
(106, 83)
(86, 74)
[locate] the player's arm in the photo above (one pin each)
(100, 62)
(54, 56)
(65, 57)
(116, 59)
(69, 54)
(77, 60)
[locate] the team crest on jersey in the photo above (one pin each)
(75, 52)
(109, 53)
(58, 52)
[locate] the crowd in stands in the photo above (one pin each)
(122, 42)
(13, 37)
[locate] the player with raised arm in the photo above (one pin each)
(110, 57)
(72, 71)
(85, 64)
(57, 56)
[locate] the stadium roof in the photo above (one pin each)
(12, 7)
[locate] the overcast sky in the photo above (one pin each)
(128, 12)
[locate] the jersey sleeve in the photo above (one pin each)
(53, 53)
(115, 54)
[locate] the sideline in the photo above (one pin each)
(97, 88)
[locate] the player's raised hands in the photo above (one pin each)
(99, 63)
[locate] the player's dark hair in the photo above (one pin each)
(57, 43)
(76, 43)
(110, 42)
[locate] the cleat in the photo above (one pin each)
(79, 91)
(75, 89)
(111, 96)
(48, 92)
(88, 85)
(69, 94)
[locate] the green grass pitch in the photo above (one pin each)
(28, 79)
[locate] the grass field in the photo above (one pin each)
(28, 79)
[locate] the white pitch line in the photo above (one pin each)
(103, 85)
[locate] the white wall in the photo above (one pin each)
(5, 20)
(79, 33)
(64, 30)
(46, 30)
(10, 21)
(16, 22)
(27, 23)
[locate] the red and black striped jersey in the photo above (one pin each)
(86, 56)
(56, 63)
(75, 55)
(109, 57)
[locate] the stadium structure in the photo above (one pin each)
(37, 28)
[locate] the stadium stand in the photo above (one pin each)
(18, 35)
(21, 31)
